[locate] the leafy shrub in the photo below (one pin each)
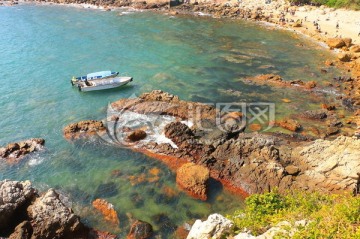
(330, 216)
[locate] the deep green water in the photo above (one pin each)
(42, 47)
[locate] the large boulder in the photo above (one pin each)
(14, 198)
(335, 42)
(50, 218)
(14, 152)
(193, 179)
(215, 227)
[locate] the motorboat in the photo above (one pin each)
(93, 76)
(104, 83)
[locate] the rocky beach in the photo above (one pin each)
(310, 149)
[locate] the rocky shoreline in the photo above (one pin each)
(248, 162)
(245, 163)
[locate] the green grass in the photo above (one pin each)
(330, 216)
(350, 4)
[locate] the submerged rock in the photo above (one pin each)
(193, 179)
(289, 124)
(107, 210)
(314, 114)
(84, 128)
(140, 230)
(14, 152)
(215, 227)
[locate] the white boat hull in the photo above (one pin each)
(93, 76)
(104, 84)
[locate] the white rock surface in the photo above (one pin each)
(214, 227)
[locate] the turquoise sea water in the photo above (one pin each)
(42, 47)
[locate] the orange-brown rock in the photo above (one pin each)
(277, 81)
(84, 129)
(137, 135)
(255, 127)
(328, 107)
(289, 124)
(107, 210)
(137, 179)
(310, 84)
(193, 179)
(345, 57)
(181, 232)
(285, 100)
(161, 102)
(355, 48)
(140, 230)
(14, 152)
(335, 42)
(329, 63)
(347, 41)
(169, 192)
(154, 175)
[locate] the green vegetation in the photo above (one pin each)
(329, 216)
(352, 4)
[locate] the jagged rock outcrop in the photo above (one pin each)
(84, 128)
(250, 163)
(193, 179)
(216, 226)
(26, 215)
(330, 165)
(14, 152)
(15, 197)
(163, 103)
(50, 218)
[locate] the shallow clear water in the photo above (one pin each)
(42, 47)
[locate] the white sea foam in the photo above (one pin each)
(34, 161)
(152, 124)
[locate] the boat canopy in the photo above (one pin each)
(100, 73)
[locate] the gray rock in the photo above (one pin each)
(215, 227)
(14, 196)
